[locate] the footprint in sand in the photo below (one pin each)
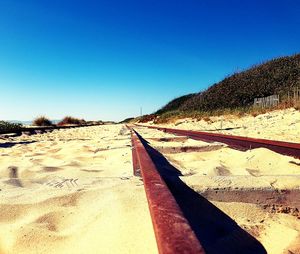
(51, 169)
(55, 150)
(92, 170)
(13, 177)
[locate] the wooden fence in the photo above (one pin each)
(294, 94)
(265, 102)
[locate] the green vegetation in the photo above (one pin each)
(175, 103)
(6, 126)
(127, 120)
(235, 94)
(69, 120)
(42, 121)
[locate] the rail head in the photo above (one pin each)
(172, 230)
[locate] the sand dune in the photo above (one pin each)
(72, 191)
(279, 125)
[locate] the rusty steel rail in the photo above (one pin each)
(135, 161)
(238, 142)
(172, 230)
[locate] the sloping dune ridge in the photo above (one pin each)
(72, 191)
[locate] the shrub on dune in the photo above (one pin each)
(147, 118)
(42, 121)
(69, 120)
(6, 126)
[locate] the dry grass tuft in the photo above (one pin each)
(207, 119)
(42, 121)
(146, 118)
(69, 120)
(297, 105)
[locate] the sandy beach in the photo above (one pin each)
(72, 191)
(259, 189)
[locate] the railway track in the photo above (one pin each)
(236, 142)
(183, 220)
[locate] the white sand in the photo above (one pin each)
(278, 125)
(72, 191)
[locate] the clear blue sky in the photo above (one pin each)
(105, 59)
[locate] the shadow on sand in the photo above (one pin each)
(216, 231)
(11, 144)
